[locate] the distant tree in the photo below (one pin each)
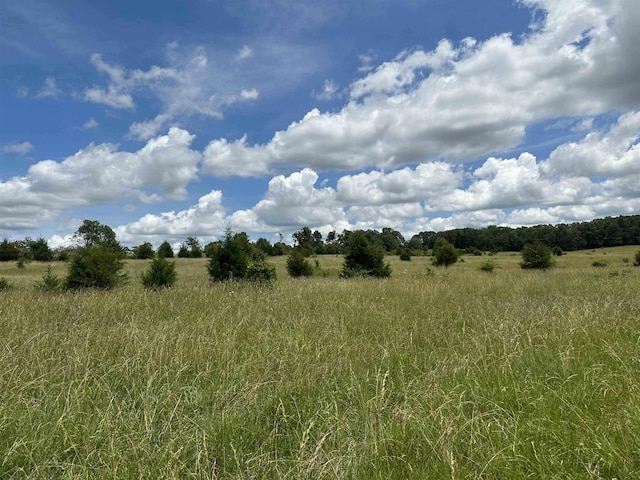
(364, 259)
(298, 265)
(160, 274)
(92, 233)
(38, 250)
(263, 245)
(9, 251)
(97, 266)
(444, 253)
(193, 244)
(279, 248)
(165, 250)
(262, 272)
(305, 240)
(183, 252)
(536, 256)
(144, 251)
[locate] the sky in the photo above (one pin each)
(166, 119)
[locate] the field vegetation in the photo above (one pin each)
(432, 373)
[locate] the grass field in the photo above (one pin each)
(431, 374)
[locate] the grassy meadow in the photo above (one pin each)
(432, 374)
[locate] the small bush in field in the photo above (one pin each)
(599, 263)
(405, 256)
(488, 266)
(264, 272)
(637, 259)
(536, 256)
(50, 282)
(364, 259)
(161, 274)
(4, 284)
(298, 266)
(97, 267)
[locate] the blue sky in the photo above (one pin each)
(167, 119)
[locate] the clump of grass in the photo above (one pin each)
(488, 266)
(600, 263)
(4, 284)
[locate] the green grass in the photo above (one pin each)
(448, 374)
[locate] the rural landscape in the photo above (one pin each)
(454, 371)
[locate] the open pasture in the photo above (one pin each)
(434, 373)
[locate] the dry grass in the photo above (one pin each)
(433, 373)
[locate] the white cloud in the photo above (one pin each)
(101, 174)
(49, 89)
(22, 148)
(89, 124)
(457, 103)
(245, 52)
(329, 91)
(251, 94)
(614, 152)
(206, 220)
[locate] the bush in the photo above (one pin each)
(161, 274)
(405, 256)
(557, 251)
(599, 263)
(261, 272)
(488, 266)
(230, 260)
(444, 253)
(4, 284)
(637, 259)
(144, 251)
(364, 259)
(536, 255)
(50, 282)
(298, 266)
(95, 267)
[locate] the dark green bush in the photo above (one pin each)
(637, 259)
(444, 253)
(231, 259)
(95, 267)
(297, 265)
(4, 284)
(536, 256)
(557, 251)
(160, 274)
(264, 272)
(165, 250)
(405, 256)
(364, 259)
(143, 251)
(599, 263)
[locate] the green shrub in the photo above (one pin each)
(536, 256)
(637, 259)
(160, 274)
(297, 265)
(488, 266)
(4, 284)
(143, 251)
(557, 251)
(95, 267)
(599, 263)
(263, 272)
(405, 256)
(50, 282)
(230, 260)
(444, 253)
(21, 263)
(364, 259)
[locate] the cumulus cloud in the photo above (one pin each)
(206, 220)
(89, 124)
(22, 148)
(100, 174)
(459, 102)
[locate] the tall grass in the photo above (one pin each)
(429, 374)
